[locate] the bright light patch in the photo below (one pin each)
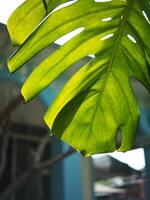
(134, 158)
(91, 55)
(106, 19)
(102, 0)
(131, 38)
(64, 5)
(145, 16)
(7, 7)
(107, 36)
(69, 36)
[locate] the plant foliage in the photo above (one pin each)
(98, 100)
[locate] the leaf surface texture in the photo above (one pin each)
(98, 100)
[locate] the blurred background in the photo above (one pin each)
(34, 165)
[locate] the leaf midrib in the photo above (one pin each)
(114, 51)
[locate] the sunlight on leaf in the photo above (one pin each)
(98, 100)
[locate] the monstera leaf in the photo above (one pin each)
(27, 16)
(98, 101)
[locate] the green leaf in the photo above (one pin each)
(26, 17)
(98, 100)
(24, 20)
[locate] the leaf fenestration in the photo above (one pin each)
(98, 100)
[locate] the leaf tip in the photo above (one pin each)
(47, 121)
(23, 96)
(9, 66)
